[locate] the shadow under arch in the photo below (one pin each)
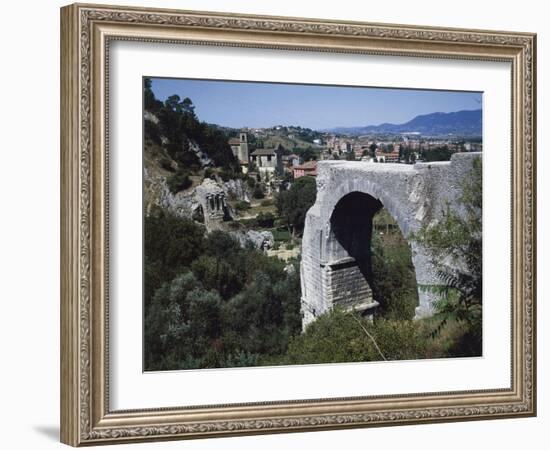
(348, 253)
(351, 225)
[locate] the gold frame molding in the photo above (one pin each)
(86, 31)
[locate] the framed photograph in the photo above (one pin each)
(276, 224)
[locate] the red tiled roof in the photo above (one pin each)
(310, 165)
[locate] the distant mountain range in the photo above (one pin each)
(462, 123)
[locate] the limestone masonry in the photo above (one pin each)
(336, 241)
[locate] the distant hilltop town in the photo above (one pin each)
(270, 153)
(238, 179)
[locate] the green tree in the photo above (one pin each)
(150, 102)
(204, 314)
(218, 274)
(443, 153)
(181, 129)
(306, 154)
(180, 106)
(165, 326)
(393, 280)
(171, 244)
(179, 181)
(237, 307)
(219, 267)
(258, 192)
(263, 316)
(251, 182)
(265, 220)
(372, 149)
(293, 204)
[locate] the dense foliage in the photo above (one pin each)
(307, 153)
(179, 181)
(171, 244)
(292, 205)
(211, 303)
(339, 336)
(442, 153)
(394, 280)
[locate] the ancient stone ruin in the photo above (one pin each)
(213, 203)
(336, 259)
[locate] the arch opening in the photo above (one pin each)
(368, 261)
(351, 224)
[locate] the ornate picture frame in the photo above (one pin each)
(87, 31)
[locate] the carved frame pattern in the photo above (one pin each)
(86, 33)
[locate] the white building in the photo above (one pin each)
(268, 161)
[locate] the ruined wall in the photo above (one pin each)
(212, 199)
(414, 195)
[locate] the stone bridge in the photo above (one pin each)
(336, 243)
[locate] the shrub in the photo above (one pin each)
(278, 223)
(292, 205)
(393, 281)
(267, 202)
(242, 206)
(185, 158)
(171, 244)
(443, 153)
(179, 181)
(281, 235)
(235, 225)
(227, 174)
(340, 336)
(152, 131)
(166, 164)
(258, 192)
(209, 173)
(265, 220)
(251, 182)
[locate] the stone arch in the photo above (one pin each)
(348, 271)
(414, 195)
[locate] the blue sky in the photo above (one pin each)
(258, 105)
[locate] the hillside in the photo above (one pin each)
(179, 152)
